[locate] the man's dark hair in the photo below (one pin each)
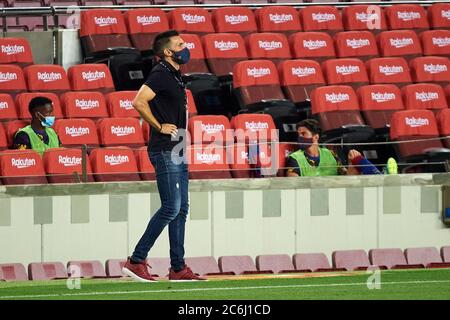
(162, 40)
(310, 124)
(38, 102)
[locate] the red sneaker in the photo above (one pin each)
(184, 275)
(138, 271)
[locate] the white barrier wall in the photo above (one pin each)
(227, 217)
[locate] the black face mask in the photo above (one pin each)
(304, 143)
(182, 56)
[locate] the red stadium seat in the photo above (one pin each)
(143, 26)
(399, 43)
(424, 96)
(13, 272)
(207, 162)
(23, 101)
(299, 77)
(347, 71)
(321, 18)
(101, 29)
(315, 262)
(47, 78)
(84, 104)
(160, 266)
(284, 150)
(390, 258)
(192, 108)
(12, 79)
(256, 81)
(113, 268)
(378, 103)
(337, 109)
(318, 46)
(407, 16)
(11, 127)
(281, 19)
(234, 19)
(240, 163)
(356, 44)
(210, 129)
(15, 51)
(439, 15)
(428, 257)
(7, 108)
(120, 104)
(223, 51)
(74, 133)
(350, 259)
(197, 63)
(120, 132)
(237, 265)
(415, 125)
(91, 77)
(270, 46)
(21, 167)
(277, 263)
(114, 164)
(204, 266)
(3, 139)
(436, 42)
(65, 165)
(443, 118)
(86, 269)
(445, 253)
(47, 271)
(254, 128)
(431, 69)
(389, 71)
(145, 167)
(364, 17)
(191, 20)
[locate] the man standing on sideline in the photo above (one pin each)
(162, 102)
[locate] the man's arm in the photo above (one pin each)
(141, 104)
(292, 169)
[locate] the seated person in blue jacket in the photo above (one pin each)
(313, 160)
(39, 135)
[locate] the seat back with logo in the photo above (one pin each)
(399, 43)
(210, 129)
(443, 118)
(74, 133)
(197, 61)
(12, 79)
(23, 101)
(65, 165)
(318, 46)
(253, 128)
(234, 19)
(120, 104)
(47, 78)
(208, 162)
(114, 164)
(91, 77)
(21, 167)
(356, 44)
(321, 18)
(191, 20)
(431, 69)
(120, 132)
(348, 71)
(364, 17)
(436, 42)
(281, 19)
(424, 96)
(7, 108)
(389, 71)
(15, 51)
(407, 16)
(84, 104)
(270, 46)
(439, 15)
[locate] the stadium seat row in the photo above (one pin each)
(342, 260)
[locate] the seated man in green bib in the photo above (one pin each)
(39, 135)
(313, 160)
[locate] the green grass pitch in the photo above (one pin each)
(394, 284)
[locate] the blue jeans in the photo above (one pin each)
(172, 180)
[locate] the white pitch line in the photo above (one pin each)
(216, 289)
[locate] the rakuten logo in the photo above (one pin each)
(357, 43)
(148, 20)
(314, 44)
(382, 97)
(416, 122)
(67, 161)
(258, 72)
(49, 76)
(445, 14)
(12, 49)
(93, 75)
(270, 45)
(190, 45)
(211, 128)
(193, 19)
(303, 72)
(4, 105)
(116, 160)
(440, 42)
(426, 96)
(105, 21)
(346, 70)
(323, 17)
(119, 131)
(126, 104)
(401, 43)
(77, 132)
(226, 45)
(255, 126)
(8, 76)
(236, 19)
(207, 157)
(434, 68)
(23, 163)
(390, 70)
(87, 104)
(365, 17)
(280, 18)
(337, 97)
(408, 16)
